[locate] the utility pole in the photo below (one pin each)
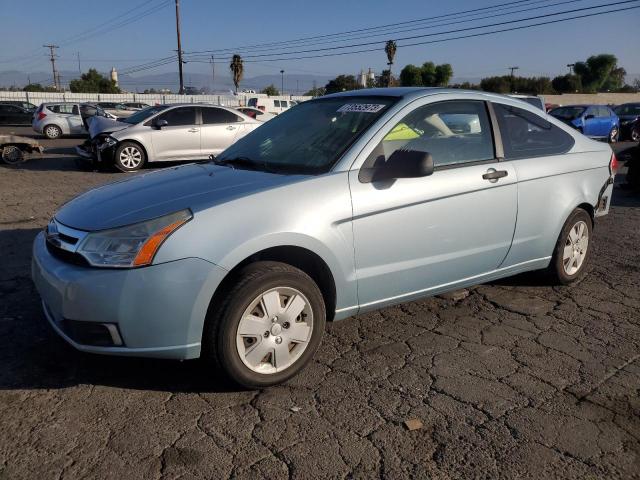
(181, 92)
(513, 69)
(282, 87)
(213, 73)
(53, 64)
(79, 69)
(297, 87)
(570, 67)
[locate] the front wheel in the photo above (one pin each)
(268, 325)
(572, 250)
(613, 135)
(129, 157)
(635, 134)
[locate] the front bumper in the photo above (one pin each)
(158, 311)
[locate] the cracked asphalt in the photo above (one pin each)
(519, 379)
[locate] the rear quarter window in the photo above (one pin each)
(525, 134)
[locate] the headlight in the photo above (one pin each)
(131, 246)
(108, 142)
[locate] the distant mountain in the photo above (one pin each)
(293, 83)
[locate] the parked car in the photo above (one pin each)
(535, 100)
(595, 121)
(168, 132)
(56, 119)
(256, 113)
(629, 115)
(118, 110)
(319, 215)
(269, 105)
(135, 106)
(26, 105)
(14, 115)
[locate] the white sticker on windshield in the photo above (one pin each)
(361, 107)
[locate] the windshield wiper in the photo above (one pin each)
(242, 161)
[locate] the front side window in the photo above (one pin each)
(310, 138)
(628, 109)
(179, 117)
(218, 115)
(454, 132)
(525, 134)
(142, 115)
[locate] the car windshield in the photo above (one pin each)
(567, 113)
(142, 115)
(309, 138)
(628, 109)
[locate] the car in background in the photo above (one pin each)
(270, 105)
(594, 121)
(135, 106)
(26, 105)
(55, 119)
(319, 215)
(256, 113)
(117, 109)
(535, 100)
(629, 115)
(14, 115)
(175, 132)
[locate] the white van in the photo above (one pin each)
(270, 105)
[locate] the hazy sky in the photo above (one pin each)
(216, 24)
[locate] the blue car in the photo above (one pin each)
(595, 121)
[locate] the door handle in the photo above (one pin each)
(493, 175)
(231, 127)
(193, 130)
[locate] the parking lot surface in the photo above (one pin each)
(516, 379)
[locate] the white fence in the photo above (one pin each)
(227, 100)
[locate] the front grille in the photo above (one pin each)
(65, 255)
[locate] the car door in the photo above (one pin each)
(414, 236)
(220, 128)
(592, 122)
(12, 115)
(180, 138)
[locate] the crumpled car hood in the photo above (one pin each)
(143, 197)
(100, 125)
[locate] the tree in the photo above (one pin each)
(443, 74)
(599, 72)
(496, 84)
(567, 83)
(33, 87)
(315, 92)
(411, 76)
(237, 70)
(271, 90)
(93, 82)
(341, 83)
(428, 72)
(386, 80)
(390, 49)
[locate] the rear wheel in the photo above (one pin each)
(268, 325)
(613, 135)
(12, 155)
(635, 134)
(129, 157)
(573, 248)
(52, 132)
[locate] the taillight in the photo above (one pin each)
(41, 115)
(613, 165)
(261, 107)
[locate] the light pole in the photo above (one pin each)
(570, 67)
(282, 83)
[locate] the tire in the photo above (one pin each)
(613, 135)
(129, 157)
(635, 134)
(573, 248)
(242, 337)
(52, 132)
(12, 155)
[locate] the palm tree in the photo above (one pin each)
(390, 49)
(237, 69)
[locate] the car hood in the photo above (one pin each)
(628, 117)
(100, 125)
(142, 197)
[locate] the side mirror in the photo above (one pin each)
(158, 123)
(403, 164)
(589, 117)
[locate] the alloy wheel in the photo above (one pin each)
(52, 132)
(275, 330)
(130, 157)
(613, 136)
(575, 248)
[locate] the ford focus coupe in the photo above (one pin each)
(342, 205)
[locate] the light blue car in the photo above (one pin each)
(342, 205)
